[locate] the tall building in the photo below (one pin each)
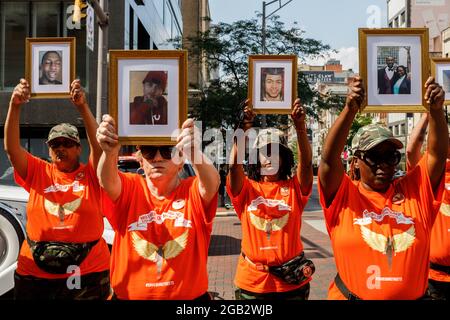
(433, 14)
(196, 18)
(446, 43)
(133, 24)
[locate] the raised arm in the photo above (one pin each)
(78, 98)
(304, 168)
(331, 170)
(236, 170)
(207, 174)
(437, 145)
(107, 171)
(16, 153)
(415, 142)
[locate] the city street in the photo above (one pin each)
(226, 244)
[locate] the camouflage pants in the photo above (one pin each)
(301, 293)
(439, 290)
(93, 286)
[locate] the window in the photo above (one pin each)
(14, 27)
(19, 20)
(403, 129)
(403, 18)
(167, 18)
(46, 18)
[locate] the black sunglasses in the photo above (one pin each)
(64, 143)
(149, 152)
(375, 158)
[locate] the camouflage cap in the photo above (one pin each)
(371, 135)
(64, 130)
(270, 135)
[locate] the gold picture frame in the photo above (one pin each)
(143, 117)
(440, 70)
(282, 85)
(50, 66)
(408, 48)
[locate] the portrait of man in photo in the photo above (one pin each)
(151, 107)
(50, 68)
(272, 84)
(387, 76)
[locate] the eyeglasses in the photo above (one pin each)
(149, 152)
(376, 158)
(64, 143)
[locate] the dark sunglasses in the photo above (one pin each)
(149, 152)
(376, 158)
(64, 143)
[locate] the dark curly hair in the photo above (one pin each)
(285, 171)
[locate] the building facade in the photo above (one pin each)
(133, 24)
(432, 14)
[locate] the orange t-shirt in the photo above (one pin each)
(440, 234)
(52, 193)
(381, 242)
(160, 247)
(270, 214)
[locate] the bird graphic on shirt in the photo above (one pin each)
(61, 210)
(154, 253)
(267, 225)
(389, 245)
(445, 209)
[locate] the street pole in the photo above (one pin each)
(263, 34)
(102, 47)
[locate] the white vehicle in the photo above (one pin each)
(13, 201)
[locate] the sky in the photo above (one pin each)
(334, 22)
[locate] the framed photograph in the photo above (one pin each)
(148, 95)
(440, 70)
(272, 84)
(394, 65)
(50, 66)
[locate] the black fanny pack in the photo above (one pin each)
(439, 267)
(56, 257)
(295, 271)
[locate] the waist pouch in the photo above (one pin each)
(56, 257)
(295, 271)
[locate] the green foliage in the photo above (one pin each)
(226, 47)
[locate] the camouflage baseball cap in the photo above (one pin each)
(371, 135)
(270, 135)
(64, 130)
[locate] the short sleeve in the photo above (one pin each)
(332, 212)
(240, 200)
(208, 213)
(116, 211)
(34, 166)
(429, 201)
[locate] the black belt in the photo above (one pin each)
(351, 296)
(343, 289)
(440, 267)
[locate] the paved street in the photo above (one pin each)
(226, 244)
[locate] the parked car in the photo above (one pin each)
(13, 201)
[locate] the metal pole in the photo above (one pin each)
(263, 117)
(101, 61)
(264, 28)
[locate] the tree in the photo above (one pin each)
(226, 47)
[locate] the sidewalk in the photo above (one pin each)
(225, 248)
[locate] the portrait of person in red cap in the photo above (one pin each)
(151, 107)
